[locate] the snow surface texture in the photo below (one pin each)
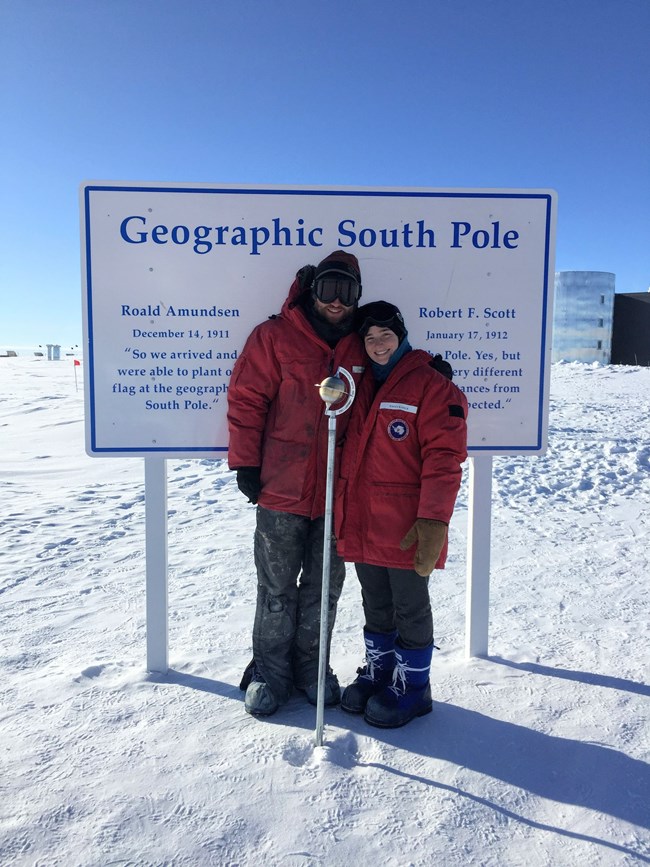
(537, 755)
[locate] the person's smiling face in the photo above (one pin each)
(380, 344)
(334, 312)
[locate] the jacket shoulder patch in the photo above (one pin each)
(456, 411)
(398, 430)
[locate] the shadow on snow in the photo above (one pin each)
(568, 771)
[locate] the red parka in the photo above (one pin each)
(401, 461)
(276, 417)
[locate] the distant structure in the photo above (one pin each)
(583, 316)
(631, 333)
(53, 352)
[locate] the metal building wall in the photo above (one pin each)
(583, 316)
(631, 333)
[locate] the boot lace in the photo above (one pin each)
(400, 680)
(373, 658)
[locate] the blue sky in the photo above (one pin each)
(423, 93)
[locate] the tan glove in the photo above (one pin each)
(430, 536)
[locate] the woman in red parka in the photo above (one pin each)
(399, 477)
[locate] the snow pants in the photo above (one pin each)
(396, 599)
(286, 632)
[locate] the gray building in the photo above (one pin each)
(631, 334)
(583, 316)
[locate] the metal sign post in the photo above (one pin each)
(477, 605)
(155, 498)
(331, 390)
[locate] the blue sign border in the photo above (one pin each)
(424, 194)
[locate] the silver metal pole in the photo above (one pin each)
(325, 586)
(332, 390)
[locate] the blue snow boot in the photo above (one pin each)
(375, 674)
(409, 695)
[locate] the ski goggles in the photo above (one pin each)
(392, 320)
(333, 284)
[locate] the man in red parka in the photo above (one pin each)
(278, 446)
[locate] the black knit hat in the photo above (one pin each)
(340, 262)
(383, 315)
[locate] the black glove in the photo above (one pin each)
(248, 482)
(306, 277)
(438, 363)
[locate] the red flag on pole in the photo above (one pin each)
(77, 363)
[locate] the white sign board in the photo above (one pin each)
(176, 277)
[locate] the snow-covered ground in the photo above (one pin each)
(537, 755)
